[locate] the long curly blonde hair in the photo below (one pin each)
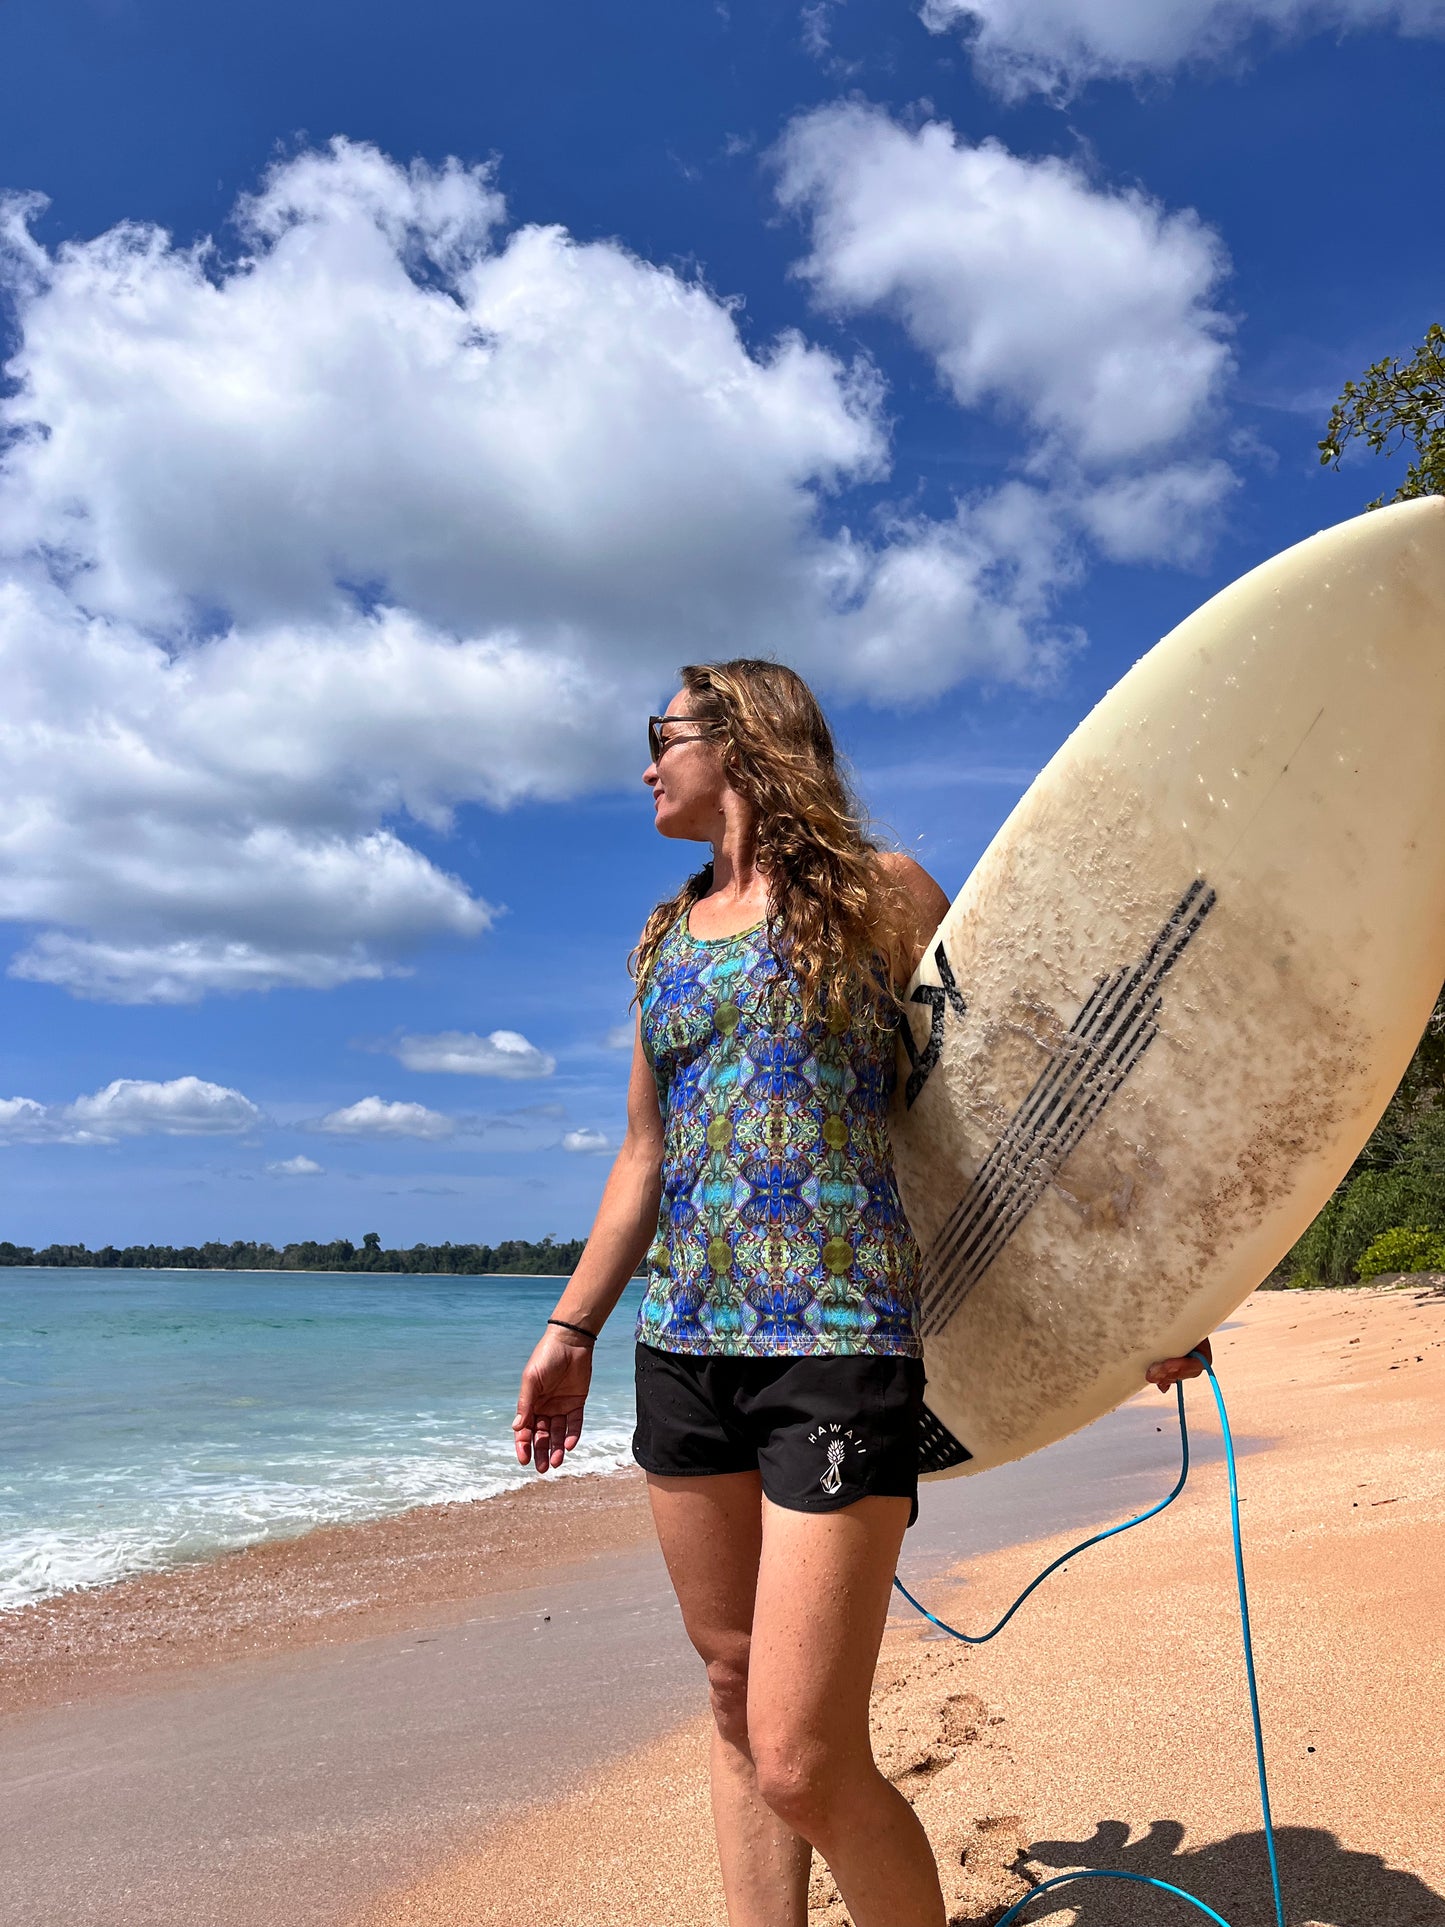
(831, 903)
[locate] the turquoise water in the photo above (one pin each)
(151, 1417)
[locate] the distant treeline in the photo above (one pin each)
(518, 1256)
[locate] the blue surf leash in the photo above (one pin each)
(981, 1639)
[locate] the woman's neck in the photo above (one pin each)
(736, 879)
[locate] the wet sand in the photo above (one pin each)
(1108, 1727)
(290, 1787)
(335, 1584)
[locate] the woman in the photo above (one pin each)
(779, 1370)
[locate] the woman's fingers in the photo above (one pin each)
(545, 1438)
(1167, 1372)
(553, 1437)
(525, 1423)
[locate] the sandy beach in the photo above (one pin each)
(1108, 1727)
(484, 1713)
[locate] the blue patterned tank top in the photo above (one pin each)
(781, 1230)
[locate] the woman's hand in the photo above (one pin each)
(1168, 1372)
(549, 1404)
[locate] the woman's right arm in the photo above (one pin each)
(557, 1375)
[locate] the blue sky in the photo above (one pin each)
(396, 397)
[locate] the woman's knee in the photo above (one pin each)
(800, 1778)
(727, 1685)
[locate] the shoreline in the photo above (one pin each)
(328, 1585)
(347, 1580)
(1108, 1727)
(310, 1271)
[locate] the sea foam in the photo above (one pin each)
(152, 1419)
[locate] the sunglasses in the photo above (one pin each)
(656, 741)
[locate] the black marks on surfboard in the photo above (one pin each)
(938, 1449)
(1103, 1044)
(945, 995)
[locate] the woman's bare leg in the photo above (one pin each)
(711, 1532)
(818, 1618)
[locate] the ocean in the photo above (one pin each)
(151, 1417)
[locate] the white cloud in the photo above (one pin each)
(815, 23)
(1084, 313)
(586, 1140)
(297, 1167)
(132, 1107)
(180, 972)
(1167, 514)
(211, 818)
(23, 1121)
(399, 511)
(564, 437)
(980, 584)
(378, 1117)
(1058, 45)
(620, 1036)
(1085, 310)
(181, 1107)
(505, 1053)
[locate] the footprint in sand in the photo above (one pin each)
(925, 1722)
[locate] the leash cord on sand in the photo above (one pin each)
(980, 1639)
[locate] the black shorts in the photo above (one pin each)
(823, 1432)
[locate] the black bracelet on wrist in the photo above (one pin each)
(581, 1330)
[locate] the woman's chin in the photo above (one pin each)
(674, 823)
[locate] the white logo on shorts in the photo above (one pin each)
(837, 1439)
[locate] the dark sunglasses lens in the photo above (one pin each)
(654, 740)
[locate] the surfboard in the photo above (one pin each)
(1173, 999)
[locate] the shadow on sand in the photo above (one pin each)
(1325, 1884)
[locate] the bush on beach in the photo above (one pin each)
(1379, 1210)
(1402, 1249)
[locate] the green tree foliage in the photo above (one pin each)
(515, 1256)
(1410, 1192)
(1420, 1095)
(1406, 1248)
(1397, 1183)
(1393, 406)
